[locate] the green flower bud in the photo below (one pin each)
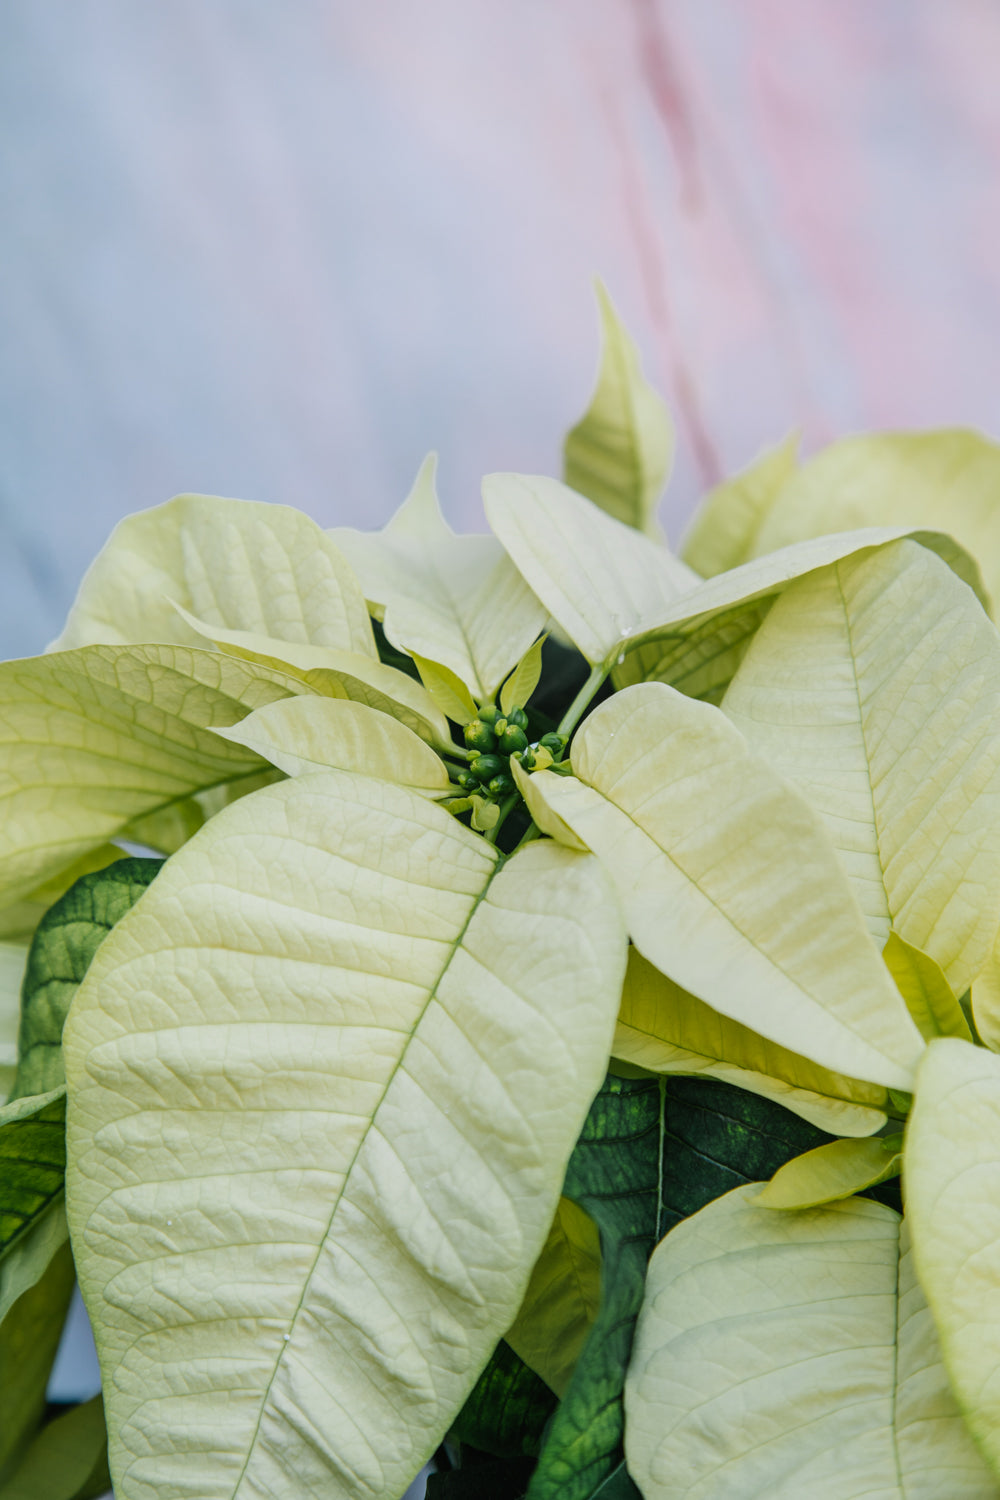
(485, 767)
(513, 738)
(499, 725)
(467, 780)
(479, 736)
(519, 717)
(500, 786)
(553, 742)
(489, 713)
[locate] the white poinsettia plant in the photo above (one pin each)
(554, 1022)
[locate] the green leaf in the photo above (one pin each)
(68, 1460)
(448, 691)
(32, 1162)
(26, 1259)
(698, 656)
(613, 1174)
(749, 909)
(664, 1029)
(650, 1153)
(562, 1298)
(874, 685)
(29, 1338)
(795, 1355)
(19, 920)
(95, 738)
(522, 682)
(239, 564)
(619, 455)
(945, 481)
(725, 525)
(506, 1411)
(418, 1000)
(64, 944)
(482, 1479)
(619, 1485)
(312, 734)
(454, 600)
(13, 957)
(949, 1181)
(837, 1170)
(929, 997)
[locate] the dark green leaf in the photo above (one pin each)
(66, 940)
(390, 655)
(68, 1459)
(29, 1338)
(508, 1408)
(717, 1137)
(32, 1165)
(619, 1485)
(651, 1152)
(494, 1479)
(33, 1137)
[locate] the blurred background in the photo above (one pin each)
(280, 251)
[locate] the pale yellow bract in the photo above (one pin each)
(319, 1254)
(792, 1355)
(326, 1079)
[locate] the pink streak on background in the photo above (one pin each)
(282, 251)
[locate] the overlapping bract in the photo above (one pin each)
(325, 1078)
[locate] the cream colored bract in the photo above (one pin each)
(534, 904)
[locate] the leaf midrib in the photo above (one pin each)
(432, 993)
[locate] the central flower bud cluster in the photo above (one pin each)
(496, 739)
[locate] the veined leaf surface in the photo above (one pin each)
(597, 577)
(67, 938)
(306, 734)
(620, 453)
(950, 1172)
(748, 908)
(562, 1298)
(508, 1408)
(240, 564)
(837, 1170)
(667, 1030)
(874, 685)
(614, 592)
(945, 480)
(19, 920)
(652, 1151)
(433, 1022)
(94, 738)
(32, 1160)
(725, 525)
(455, 600)
(337, 674)
(789, 1355)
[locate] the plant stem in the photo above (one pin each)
(583, 699)
(505, 808)
(532, 832)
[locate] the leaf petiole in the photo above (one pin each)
(583, 699)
